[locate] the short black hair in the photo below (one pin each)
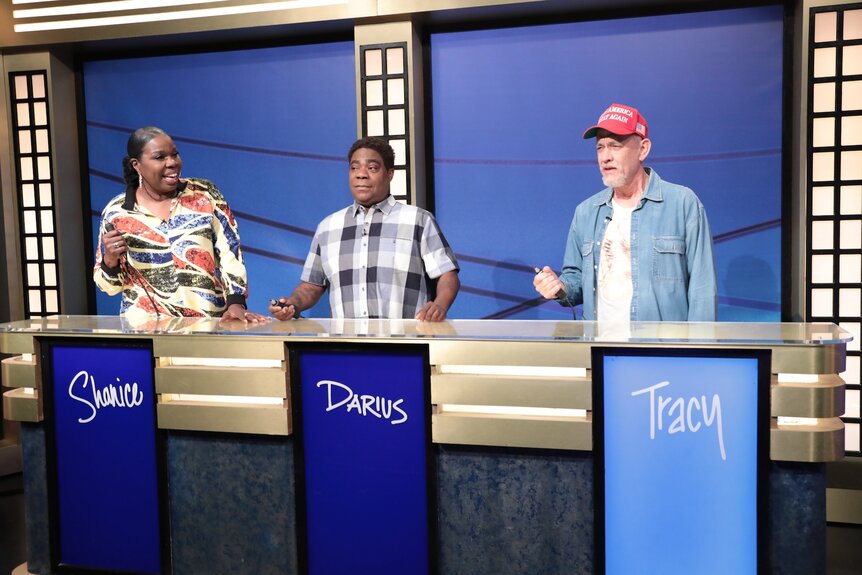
(379, 145)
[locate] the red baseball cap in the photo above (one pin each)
(621, 120)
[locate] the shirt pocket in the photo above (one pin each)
(396, 259)
(589, 259)
(669, 262)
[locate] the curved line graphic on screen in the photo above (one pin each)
(653, 160)
(475, 161)
(226, 146)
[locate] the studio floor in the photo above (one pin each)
(844, 542)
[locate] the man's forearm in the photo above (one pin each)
(306, 295)
(448, 285)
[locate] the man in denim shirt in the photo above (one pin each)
(640, 249)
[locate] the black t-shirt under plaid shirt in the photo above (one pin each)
(378, 262)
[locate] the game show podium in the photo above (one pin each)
(476, 447)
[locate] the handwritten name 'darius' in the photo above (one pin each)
(365, 405)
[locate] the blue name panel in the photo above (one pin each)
(106, 486)
(680, 445)
(364, 429)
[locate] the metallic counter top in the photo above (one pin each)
(505, 383)
(680, 333)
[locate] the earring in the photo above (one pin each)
(140, 180)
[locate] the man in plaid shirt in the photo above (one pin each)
(379, 258)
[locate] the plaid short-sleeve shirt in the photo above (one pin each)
(378, 262)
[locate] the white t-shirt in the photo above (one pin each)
(615, 268)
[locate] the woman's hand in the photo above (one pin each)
(236, 312)
(115, 246)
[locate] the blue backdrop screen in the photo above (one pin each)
(270, 127)
(106, 468)
(510, 165)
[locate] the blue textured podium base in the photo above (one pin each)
(500, 511)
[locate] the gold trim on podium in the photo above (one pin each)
(199, 390)
(541, 406)
(19, 372)
(825, 359)
(203, 380)
(515, 353)
(12, 343)
(818, 441)
(808, 359)
(218, 347)
(224, 417)
(819, 396)
(24, 401)
(572, 433)
(512, 390)
(22, 404)
(221, 398)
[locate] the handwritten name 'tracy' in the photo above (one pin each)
(685, 415)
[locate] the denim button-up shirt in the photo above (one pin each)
(673, 271)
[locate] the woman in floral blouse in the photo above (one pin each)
(170, 244)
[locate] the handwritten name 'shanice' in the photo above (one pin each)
(122, 395)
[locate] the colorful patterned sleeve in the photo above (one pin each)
(227, 248)
(109, 280)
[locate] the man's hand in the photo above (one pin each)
(431, 311)
(447, 287)
(304, 296)
(283, 312)
(548, 284)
